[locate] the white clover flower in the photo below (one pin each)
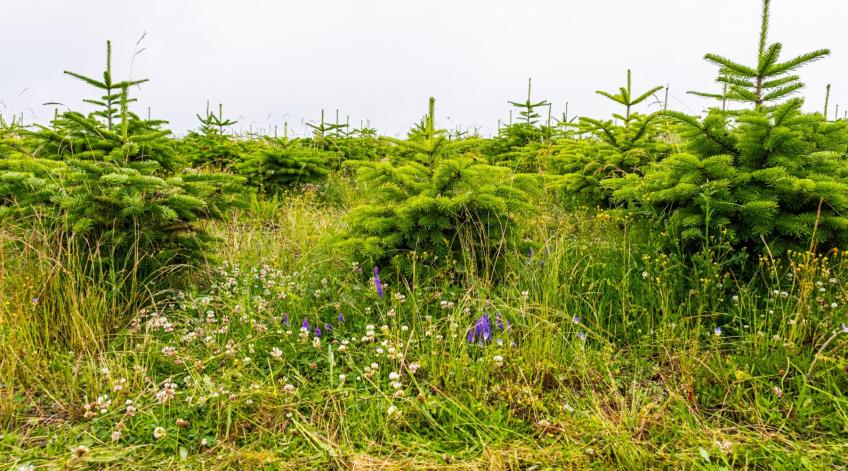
(159, 433)
(498, 360)
(288, 388)
(394, 376)
(276, 353)
(392, 411)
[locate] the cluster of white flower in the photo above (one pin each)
(168, 391)
(99, 406)
(158, 321)
(369, 371)
(119, 386)
(369, 333)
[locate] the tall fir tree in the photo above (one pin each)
(770, 80)
(768, 179)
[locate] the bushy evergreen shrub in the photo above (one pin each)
(115, 181)
(441, 203)
(279, 164)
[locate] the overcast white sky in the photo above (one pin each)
(276, 61)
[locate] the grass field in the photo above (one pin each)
(649, 291)
(603, 353)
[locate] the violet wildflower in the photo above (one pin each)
(341, 318)
(717, 331)
(575, 320)
(377, 283)
(317, 331)
(486, 327)
(581, 336)
(34, 300)
(305, 324)
(499, 320)
(328, 328)
(482, 330)
(529, 255)
(286, 320)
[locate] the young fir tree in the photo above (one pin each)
(615, 147)
(442, 204)
(768, 80)
(426, 143)
(769, 178)
(115, 182)
(525, 145)
(277, 165)
(211, 145)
